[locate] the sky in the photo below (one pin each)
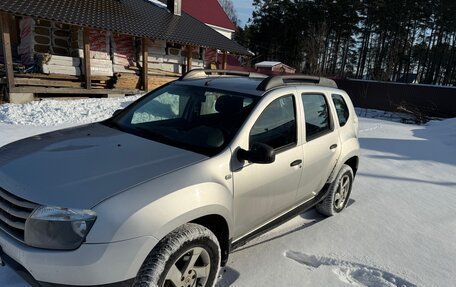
(244, 10)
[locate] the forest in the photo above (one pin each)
(386, 40)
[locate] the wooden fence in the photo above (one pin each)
(431, 101)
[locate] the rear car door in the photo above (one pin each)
(321, 146)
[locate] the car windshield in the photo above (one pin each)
(199, 119)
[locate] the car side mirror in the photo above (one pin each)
(258, 153)
(117, 112)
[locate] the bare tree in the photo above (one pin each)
(228, 7)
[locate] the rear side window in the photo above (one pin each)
(317, 115)
(341, 108)
(276, 126)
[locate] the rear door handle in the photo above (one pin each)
(334, 146)
(296, 162)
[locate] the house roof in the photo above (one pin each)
(209, 12)
(267, 64)
(139, 18)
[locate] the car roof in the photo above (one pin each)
(250, 83)
(243, 85)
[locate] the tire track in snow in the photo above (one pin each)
(349, 272)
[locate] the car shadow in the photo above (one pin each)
(398, 149)
(428, 146)
(391, 177)
(312, 215)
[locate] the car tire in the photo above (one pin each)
(339, 193)
(188, 256)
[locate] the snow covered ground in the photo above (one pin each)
(399, 228)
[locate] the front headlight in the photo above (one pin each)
(58, 228)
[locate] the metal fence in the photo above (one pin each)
(431, 101)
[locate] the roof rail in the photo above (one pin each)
(276, 81)
(204, 73)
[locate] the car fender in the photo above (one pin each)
(152, 213)
(350, 149)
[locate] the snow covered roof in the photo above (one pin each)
(267, 64)
(140, 18)
(210, 13)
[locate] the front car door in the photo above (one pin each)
(263, 191)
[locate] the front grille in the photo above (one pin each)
(14, 211)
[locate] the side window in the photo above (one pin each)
(208, 106)
(341, 108)
(276, 126)
(316, 111)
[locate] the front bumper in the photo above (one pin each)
(21, 271)
(89, 265)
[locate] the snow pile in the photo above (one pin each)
(443, 130)
(398, 228)
(384, 115)
(55, 112)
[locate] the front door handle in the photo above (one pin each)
(334, 146)
(296, 162)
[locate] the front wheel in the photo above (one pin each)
(339, 193)
(188, 257)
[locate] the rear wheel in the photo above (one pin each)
(339, 193)
(188, 257)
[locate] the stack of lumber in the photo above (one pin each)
(100, 57)
(99, 67)
(59, 81)
(125, 81)
(42, 80)
(124, 56)
(159, 60)
(101, 82)
(53, 64)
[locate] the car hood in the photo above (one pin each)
(80, 167)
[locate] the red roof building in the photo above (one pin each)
(211, 13)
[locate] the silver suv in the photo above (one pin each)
(161, 192)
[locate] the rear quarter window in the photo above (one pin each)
(343, 112)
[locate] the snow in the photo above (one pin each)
(398, 229)
(266, 64)
(56, 112)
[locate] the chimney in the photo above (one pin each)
(174, 6)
